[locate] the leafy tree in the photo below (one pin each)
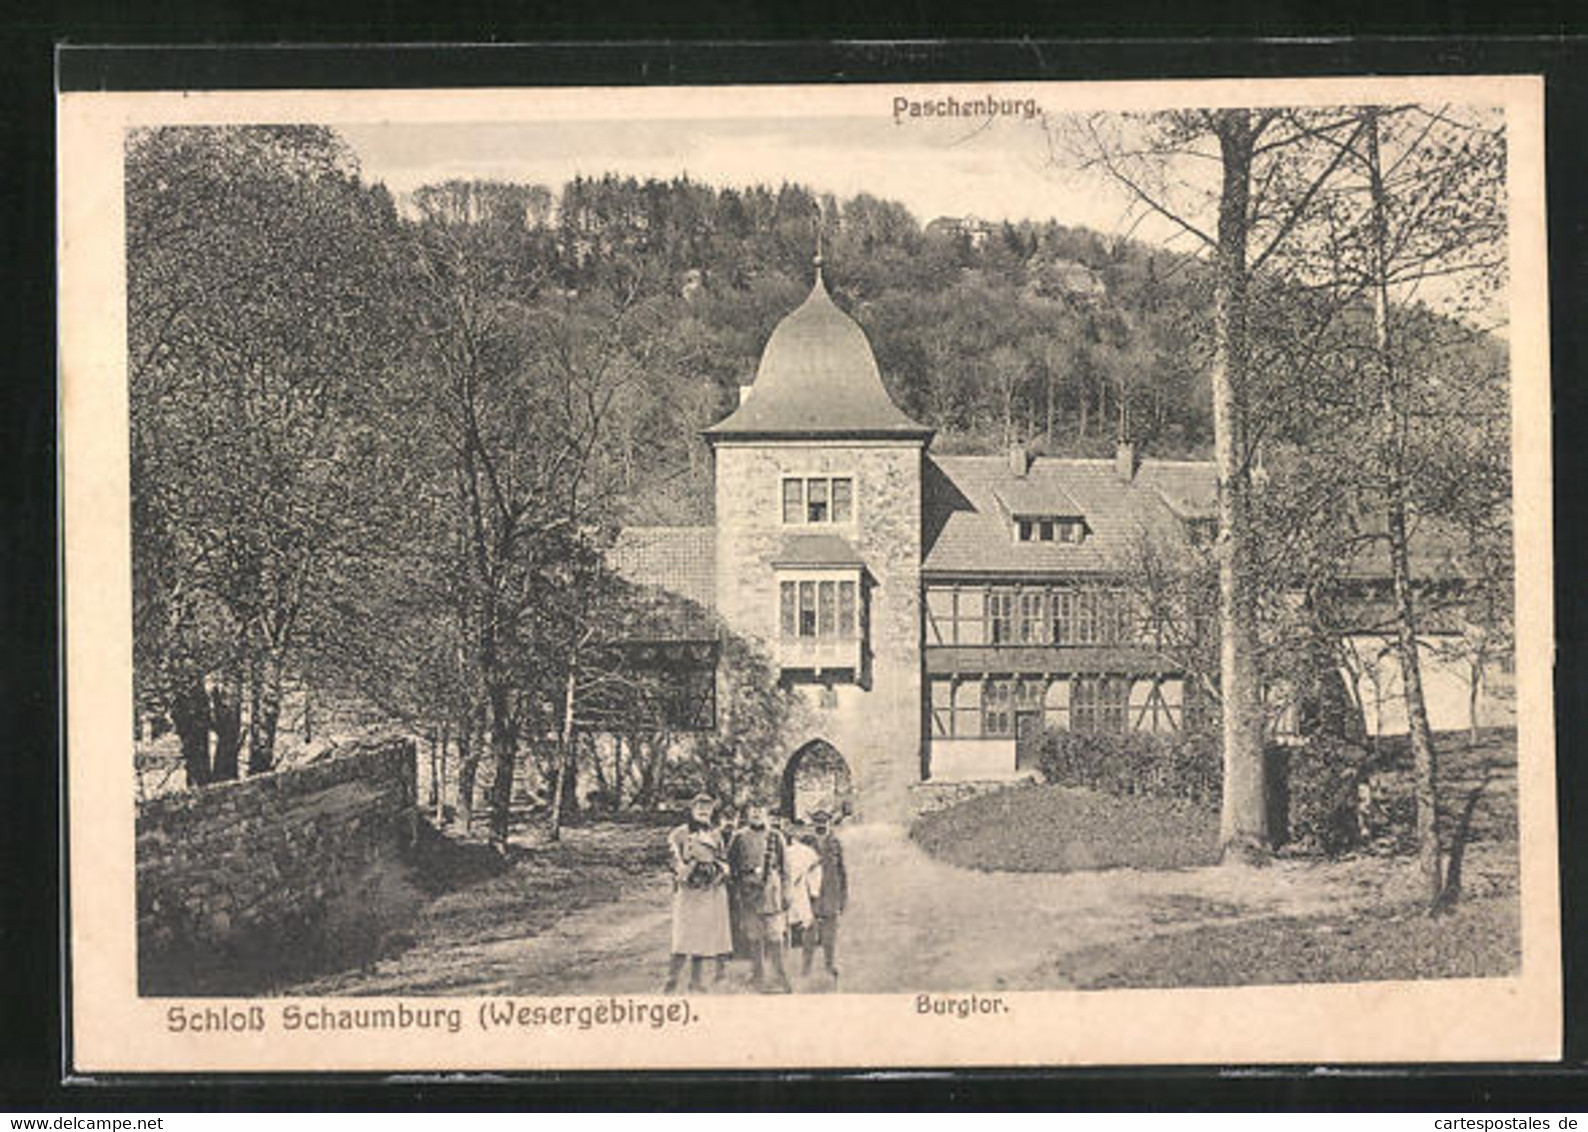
(255, 283)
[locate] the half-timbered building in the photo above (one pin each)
(932, 609)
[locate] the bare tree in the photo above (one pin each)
(1418, 231)
(1241, 183)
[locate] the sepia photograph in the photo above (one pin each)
(1028, 573)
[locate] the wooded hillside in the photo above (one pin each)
(1056, 336)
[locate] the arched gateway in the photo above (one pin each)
(816, 778)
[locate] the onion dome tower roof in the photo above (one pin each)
(818, 378)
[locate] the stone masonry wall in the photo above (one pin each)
(240, 882)
(876, 728)
(929, 797)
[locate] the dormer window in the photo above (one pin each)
(1050, 529)
(1201, 531)
(818, 499)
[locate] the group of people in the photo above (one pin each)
(751, 891)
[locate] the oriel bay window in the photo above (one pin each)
(818, 499)
(820, 609)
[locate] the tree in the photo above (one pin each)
(255, 298)
(1269, 167)
(521, 382)
(1422, 439)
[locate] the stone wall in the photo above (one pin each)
(929, 797)
(240, 883)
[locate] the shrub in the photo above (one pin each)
(1316, 785)
(1314, 788)
(1164, 766)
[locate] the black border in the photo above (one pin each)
(30, 1064)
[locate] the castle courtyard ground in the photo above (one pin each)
(590, 916)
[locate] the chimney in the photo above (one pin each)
(1125, 461)
(1019, 459)
(744, 393)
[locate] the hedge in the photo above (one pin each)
(1163, 766)
(1314, 787)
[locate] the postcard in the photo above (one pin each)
(867, 576)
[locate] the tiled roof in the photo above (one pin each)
(672, 572)
(967, 532)
(1188, 487)
(816, 550)
(1023, 498)
(818, 377)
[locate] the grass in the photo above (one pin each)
(1477, 939)
(1045, 828)
(1190, 941)
(1050, 828)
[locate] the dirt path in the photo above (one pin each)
(915, 924)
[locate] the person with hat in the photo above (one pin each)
(830, 894)
(758, 865)
(700, 895)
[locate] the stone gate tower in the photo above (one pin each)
(818, 545)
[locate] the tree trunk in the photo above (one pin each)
(564, 757)
(1050, 408)
(646, 754)
(504, 757)
(190, 715)
(226, 719)
(1243, 824)
(435, 773)
(264, 714)
(441, 777)
(603, 784)
(468, 768)
(617, 771)
(570, 780)
(1396, 422)
(1474, 691)
(1424, 757)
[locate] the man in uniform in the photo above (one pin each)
(700, 895)
(758, 865)
(832, 895)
